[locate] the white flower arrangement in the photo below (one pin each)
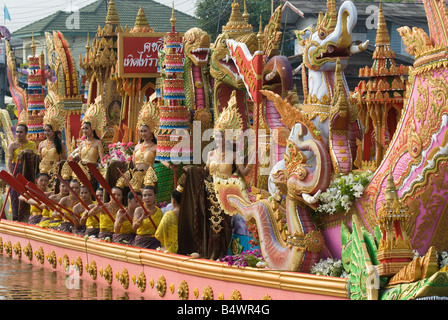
(342, 191)
(329, 267)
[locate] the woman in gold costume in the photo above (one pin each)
(52, 149)
(90, 149)
(56, 197)
(145, 151)
(142, 225)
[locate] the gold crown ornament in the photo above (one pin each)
(96, 116)
(53, 117)
(230, 118)
(149, 116)
(150, 177)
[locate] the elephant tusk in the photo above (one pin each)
(311, 199)
(358, 48)
(296, 70)
(271, 74)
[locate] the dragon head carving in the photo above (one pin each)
(331, 39)
(197, 46)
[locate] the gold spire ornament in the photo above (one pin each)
(141, 23)
(237, 25)
(112, 17)
(96, 116)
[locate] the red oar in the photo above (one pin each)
(137, 197)
(7, 192)
(85, 181)
(99, 177)
(29, 185)
(73, 192)
(48, 202)
(16, 185)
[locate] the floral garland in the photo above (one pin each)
(249, 258)
(342, 191)
(329, 267)
(119, 151)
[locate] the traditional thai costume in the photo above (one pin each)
(29, 145)
(126, 235)
(145, 232)
(167, 232)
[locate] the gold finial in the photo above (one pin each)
(33, 45)
(173, 18)
(112, 15)
(236, 25)
(245, 14)
(382, 35)
(88, 41)
(391, 191)
(260, 35)
(339, 95)
(141, 23)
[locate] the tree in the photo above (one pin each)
(213, 14)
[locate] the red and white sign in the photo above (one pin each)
(138, 54)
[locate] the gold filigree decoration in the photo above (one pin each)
(236, 295)
(107, 274)
(78, 264)
(39, 254)
(196, 292)
(92, 269)
(51, 258)
(18, 250)
(1, 245)
(124, 278)
(182, 291)
(266, 297)
(151, 283)
(161, 286)
(65, 262)
(207, 294)
(141, 282)
(172, 288)
(8, 248)
(28, 251)
(221, 296)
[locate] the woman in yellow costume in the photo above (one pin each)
(51, 150)
(167, 231)
(106, 224)
(142, 225)
(145, 151)
(91, 223)
(36, 214)
(124, 233)
(47, 215)
(68, 202)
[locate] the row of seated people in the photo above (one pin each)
(132, 226)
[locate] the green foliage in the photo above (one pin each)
(11, 108)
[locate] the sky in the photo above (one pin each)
(24, 12)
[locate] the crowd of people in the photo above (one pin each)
(132, 219)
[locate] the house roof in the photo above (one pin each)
(411, 14)
(94, 15)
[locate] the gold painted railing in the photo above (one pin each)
(284, 280)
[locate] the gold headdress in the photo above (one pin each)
(96, 116)
(180, 183)
(149, 116)
(52, 115)
(150, 177)
(23, 117)
(230, 117)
